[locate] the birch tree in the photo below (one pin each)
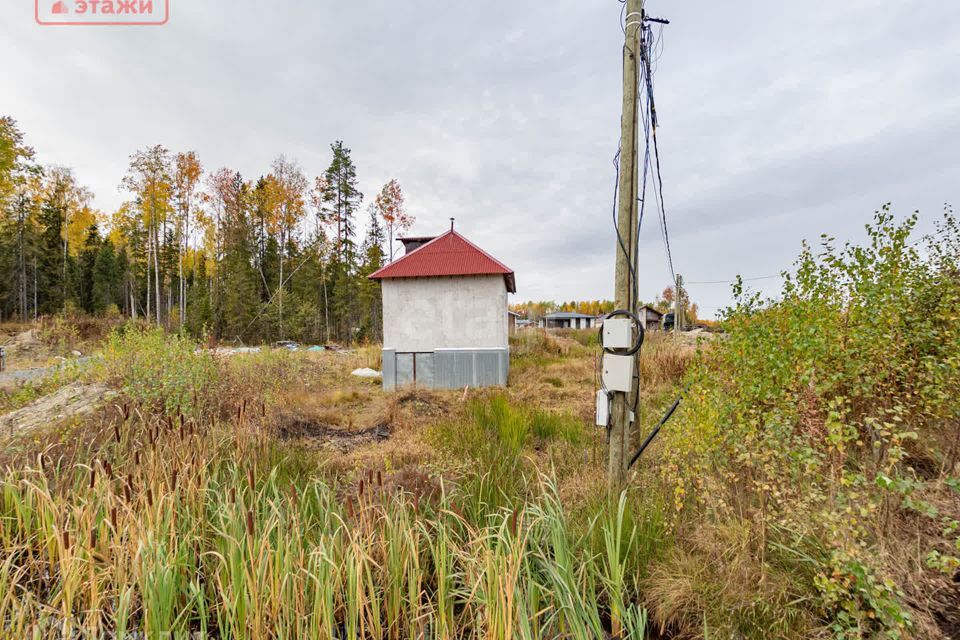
(289, 191)
(390, 206)
(186, 185)
(149, 180)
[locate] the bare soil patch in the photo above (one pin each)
(332, 436)
(423, 403)
(72, 401)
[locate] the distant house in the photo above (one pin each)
(650, 318)
(567, 320)
(445, 317)
(512, 318)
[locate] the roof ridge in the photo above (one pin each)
(407, 255)
(478, 249)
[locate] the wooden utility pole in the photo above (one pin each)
(620, 415)
(677, 305)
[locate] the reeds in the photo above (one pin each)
(199, 534)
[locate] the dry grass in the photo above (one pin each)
(213, 524)
(264, 486)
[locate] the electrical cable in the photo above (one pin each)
(267, 304)
(648, 54)
(733, 280)
(656, 429)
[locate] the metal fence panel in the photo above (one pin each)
(446, 368)
(404, 370)
(389, 365)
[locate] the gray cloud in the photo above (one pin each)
(778, 122)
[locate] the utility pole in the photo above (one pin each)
(677, 308)
(621, 413)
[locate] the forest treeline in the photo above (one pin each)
(208, 252)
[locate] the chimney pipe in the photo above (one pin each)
(451, 224)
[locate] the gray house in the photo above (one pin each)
(650, 318)
(445, 319)
(567, 320)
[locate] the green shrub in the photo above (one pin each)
(161, 370)
(795, 419)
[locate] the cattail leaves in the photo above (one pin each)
(202, 533)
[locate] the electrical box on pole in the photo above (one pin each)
(617, 333)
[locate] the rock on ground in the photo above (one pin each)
(74, 400)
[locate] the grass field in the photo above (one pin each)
(275, 495)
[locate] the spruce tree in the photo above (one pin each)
(82, 293)
(105, 290)
(199, 309)
(239, 303)
(51, 274)
(369, 290)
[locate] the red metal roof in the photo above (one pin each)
(448, 255)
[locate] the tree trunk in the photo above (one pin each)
(149, 258)
(156, 271)
(180, 288)
(280, 290)
(326, 304)
(23, 266)
(64, 265)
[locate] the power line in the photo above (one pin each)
(267, 304)
(733, 280)
(647, 50)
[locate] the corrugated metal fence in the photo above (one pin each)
(445, 368)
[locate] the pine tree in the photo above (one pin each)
(342, 199)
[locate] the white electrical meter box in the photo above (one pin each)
(617, 372)
(617, 333)
(603, 408)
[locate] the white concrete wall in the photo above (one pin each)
(460, 312)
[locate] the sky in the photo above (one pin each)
(778, 121)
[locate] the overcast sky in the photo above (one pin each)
(778, 121)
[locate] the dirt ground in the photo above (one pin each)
(354, 427)
(72, 401)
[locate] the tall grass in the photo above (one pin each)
(173, 530)
(495, 438)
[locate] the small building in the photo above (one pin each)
(567, 320)
(650, 318)
(512, 318)
(445, 317)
